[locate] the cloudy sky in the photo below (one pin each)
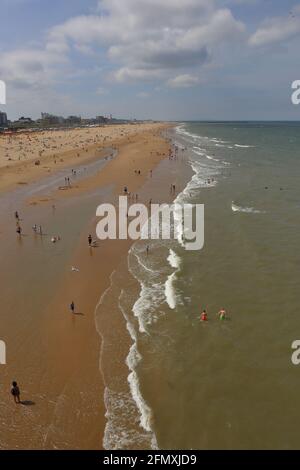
(160, 59)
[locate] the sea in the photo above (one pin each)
(186, 384)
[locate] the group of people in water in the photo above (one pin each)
(221, 314)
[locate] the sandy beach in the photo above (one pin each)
(53, 354)
(28, 156)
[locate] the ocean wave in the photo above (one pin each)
(132, 361)
(219, 141)
(212, 158)
(145, 307)
(174, 259)
(243, 146)
(121, 430)
(128, 417)
(247, 210)
(198, 151)
(145, 411)
(170, 291)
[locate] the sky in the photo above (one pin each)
(151, 59)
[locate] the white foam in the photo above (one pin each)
(145, 411)
(212, 158)
(170, 292)
(151, 294)
(120, 430)
(174, 259)
(124, 411)
(132, 360)
(247, 210)
(243, 146)
(215, 139)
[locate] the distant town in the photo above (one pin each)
(47, 121)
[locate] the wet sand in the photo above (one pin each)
(53, 354)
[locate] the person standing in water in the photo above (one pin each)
(15, 391)
(222, 314)
(90, 239)
(72, 307)
(203, 316)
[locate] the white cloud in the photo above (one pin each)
(126, 74)
(147, 39)
(25, 68)
(277, 29)
(183, 81)
(127, 41)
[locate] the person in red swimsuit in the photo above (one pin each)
(203, 316)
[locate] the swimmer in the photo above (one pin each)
(203, 316)
(222, 314)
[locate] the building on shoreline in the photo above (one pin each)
(3, 119)
(51, 121)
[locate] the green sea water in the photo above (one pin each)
(230, 384)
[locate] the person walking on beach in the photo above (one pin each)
(90, 239)
(72, 307)
(17, 216)
(15, 391)
(19, 230)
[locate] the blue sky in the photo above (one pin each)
(171, 59)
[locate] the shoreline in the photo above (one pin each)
(132, 424)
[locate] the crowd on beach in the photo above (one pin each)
(49, 147)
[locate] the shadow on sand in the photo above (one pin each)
(27, 403)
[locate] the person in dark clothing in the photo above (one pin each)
(15, 391)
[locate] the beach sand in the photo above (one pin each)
(53, 354)
(28, 156)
